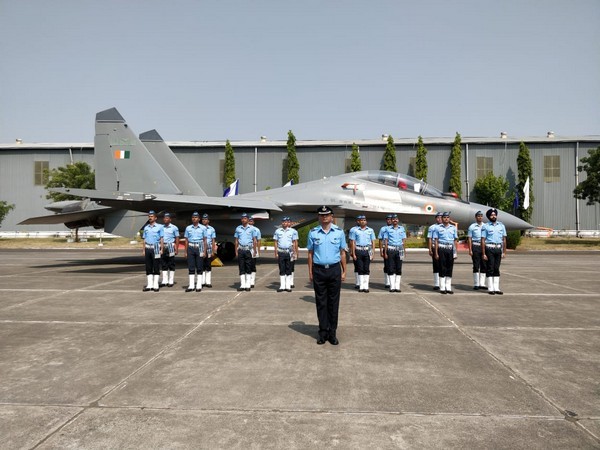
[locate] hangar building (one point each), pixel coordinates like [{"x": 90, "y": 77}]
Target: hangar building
[{"x": 261, "y": 165}]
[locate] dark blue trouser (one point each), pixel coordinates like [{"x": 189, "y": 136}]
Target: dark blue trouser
[
  {"x": 152, "y": 263},
  {"x": 327, "y": 284},
  {"x": 494, "y": 256},
  {"x": 245, "y": 261},
  {"x": 195, "y": 262}
]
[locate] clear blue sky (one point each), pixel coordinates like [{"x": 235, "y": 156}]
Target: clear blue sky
[{"x": 215, "y": 70}]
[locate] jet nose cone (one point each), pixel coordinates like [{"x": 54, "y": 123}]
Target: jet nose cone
[{"x": 510, "y": 222}]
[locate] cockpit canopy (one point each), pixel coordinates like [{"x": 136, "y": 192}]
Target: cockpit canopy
[{"x": 401, "y": 181}]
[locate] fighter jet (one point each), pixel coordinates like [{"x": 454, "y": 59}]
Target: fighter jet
[{"x": 135, "y": 175}]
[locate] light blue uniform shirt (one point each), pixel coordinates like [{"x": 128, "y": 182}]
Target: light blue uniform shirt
[
  {"x": 153, "y": 233},
  {"x": 474, "y": 232},
  {"x": 285, "y": 238},
  {"x": 244, "y": 235},
  {"x": 493, "y": 233},
  {"x": 445, "y": 235},
  {"x": 432, "y": 229},
  {"x": 211, "y": 235},
  {"x": 256, "y": 233},
  {"x": 394, "y": 236},
  {"x": 362, "y": 238},
  {"x": 382, "y": 232},
  {"x": 195, "y": 235},
  {"x": 326, "y": 247},
  {"x": 171, "y": 233}
]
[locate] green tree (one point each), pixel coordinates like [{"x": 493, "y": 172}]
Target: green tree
[
  {"x": 5, "y": 208},
  {"x": 492, "y": 191},
  {"x": 229, "y": 169},
  {"x": 293, "y": 167},
  {"x": 589, "y": 189},
  {"x": 77, "y": 175},
  {"x": 389, "y": 157},
  {"x": 421, "y": 161},
  {"x": 455, "y": 184},
  {"x": 525, "y": 171},
  {"x": 355, "y": 163}
]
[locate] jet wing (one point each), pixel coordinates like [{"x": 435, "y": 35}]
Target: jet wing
[
  {"x": 139, "y": 201},
  {"x": 66, "y": 217}
]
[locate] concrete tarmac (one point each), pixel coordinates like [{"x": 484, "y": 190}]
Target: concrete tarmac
[{"x": 88, "y": 360}]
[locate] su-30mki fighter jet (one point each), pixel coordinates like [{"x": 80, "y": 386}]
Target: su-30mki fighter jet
[{"x": 135, "y": 175}]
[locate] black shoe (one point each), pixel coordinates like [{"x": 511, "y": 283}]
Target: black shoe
[
  {"x": 366, "y": 291},
  {"x": 288, "y": 290},
  {"x": 293, "y": 286},
  {"x": 189, "y": 290},
  {"x": 387, "y": 286},
  {"x": 321, "y": 341},
  {"x": 170, "y": 285},
  {"x": 163, "y": 284},
  {"x": 146, "y": 289},
  {"x": 499, "y": 293},
  {"x": 443, "y": 292},
  {"x": 209, "y": 286},
  {"x": 247, "y": 289},
  {"x": 198, "y": 289},
  {"x": 156, "y": 290},
  {"x": 475, "y": 288},
  {"x": 436, "y": 288},
  {"x": 280, "y": 290},
  {"x": 450, "y": 292},
  {"x": 392, "y": 290},
  {"x": 251, "y": 287},
  {"x": 357, "y": 287},
  {"x": 491, "y": 293},
  {"x": 333, "y": 340},
  {"x": 241, "y": 289}
]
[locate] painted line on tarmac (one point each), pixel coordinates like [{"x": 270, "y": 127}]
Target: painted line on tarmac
[{"x": 546, "y": 282}]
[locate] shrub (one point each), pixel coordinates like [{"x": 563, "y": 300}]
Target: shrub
[{"x": 513, "y": 239}]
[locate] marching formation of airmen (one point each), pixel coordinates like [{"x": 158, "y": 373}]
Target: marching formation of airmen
[{"x": 486, "y": 244}]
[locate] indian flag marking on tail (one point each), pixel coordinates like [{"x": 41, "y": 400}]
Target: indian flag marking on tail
[{"x": 122, "y": 154}]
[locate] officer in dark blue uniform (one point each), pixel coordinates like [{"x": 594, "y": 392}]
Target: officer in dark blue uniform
[{"x": 327, "y": 269}]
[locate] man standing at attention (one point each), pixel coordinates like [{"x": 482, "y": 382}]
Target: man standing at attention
[
  {"x": 171, "y": 244},
  {"x": 211, "y": 250},
  {"x": 362, "y": 239},
  {"x": 255, "y": 253},
  {"x": 152, "y": 249},
  {"x": 493, "y": 241},
  {"x": 245, "y": 246},
  {"x": 195, "y": 234},
  {"x": 434, "y": 262},
  {"x": 327, "y": 269},
  {"x": 381, "y": 237},
  {"x": 445, "y": 239},
  {"x": 393, "y": 244},
  {"x": 286, "y": 250},
  {"x": 474, "y": 235}
]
